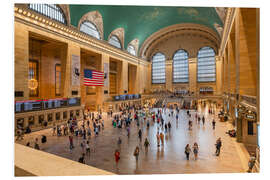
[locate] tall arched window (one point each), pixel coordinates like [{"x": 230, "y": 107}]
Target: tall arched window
[
  {"x": 180, "y": 67},
  {"x": 158, "y": 69},
  {"x": 90, "y": 29},
  {"x": 131, "y": 50},
  {"x": 52, "y": 11},
  {"x": 115, "y": 42},
  {"x": 206, "y": 65}
]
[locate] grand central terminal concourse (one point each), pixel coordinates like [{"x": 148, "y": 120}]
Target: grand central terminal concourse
[{"x": 127, "y": 90}]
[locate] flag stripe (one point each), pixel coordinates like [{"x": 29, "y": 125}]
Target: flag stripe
[{"x": 93, "y": 78}]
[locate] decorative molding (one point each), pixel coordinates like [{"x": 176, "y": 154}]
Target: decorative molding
[
  {"x": 43, "y": 23},
  {"x": 251, "y": 100}
]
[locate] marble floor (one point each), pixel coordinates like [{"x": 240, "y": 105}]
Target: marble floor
[{"x": 167, "y": 159}]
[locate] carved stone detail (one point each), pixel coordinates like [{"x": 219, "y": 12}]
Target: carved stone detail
[
  {"x": 120, "y": 33},
  {"x": 94, "y": 17}
]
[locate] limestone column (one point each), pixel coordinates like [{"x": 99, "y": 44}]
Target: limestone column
[
  {"x": 124, "y": 78},
  {"x": 138, "y": 80},
  {"x": 21, "y": 57},
  {"x": 66, "y": 72},
  {"x": 168, "y": 72},
  {"x": 239, "y": 124},
  {"x": 218, "y": 76},
  {"x": 101, "y": 97},
  {"x": 192, "y": 65}
]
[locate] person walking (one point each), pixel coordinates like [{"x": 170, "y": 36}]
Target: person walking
[
  {"x": 136, "y": 153},
  {"x": 251, "y": 162},
  {"x": 187, "y": 151},
  {"x": 203, "y": 120},
  {"x": 146, "y": 144},
  {"x": 117, "y": 157},
  {"x": 214, "y": 124},
  {"x": 158, "y": 139},
  {"x": 87, "y": 147},
  {"x": 195, "y": 150},
  {"x": 169, "y": 126},
  {"x": 128, "y": 131},
  {"x": 140, "y": 135},
  {"x": 81, "y": 159},
  {"x": 218, "y": 146},
  {"x": 36, "y": 146},
  {"x": 161, "y": 138},
  {"x": 119, "y": 142}
]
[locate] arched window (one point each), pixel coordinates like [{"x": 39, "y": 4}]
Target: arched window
[
  {"x": 206, "y": 65},
  {"x": 115, "y": 42},
  {"x": 131, "y": 50},
  {"x": 90, "y": 29},
  {"x": 180, "y": 67},
  {"x": 158, "y": 69},
  {"x": 52, "y": 11}
]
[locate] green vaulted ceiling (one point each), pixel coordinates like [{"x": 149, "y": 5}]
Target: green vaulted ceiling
[{"x": 142, "y": 21}]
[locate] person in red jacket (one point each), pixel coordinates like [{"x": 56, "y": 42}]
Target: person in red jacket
[{"x": 117, "y": 156}]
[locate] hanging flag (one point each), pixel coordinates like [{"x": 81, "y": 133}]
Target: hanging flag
[{"x": 93, "y": 78}]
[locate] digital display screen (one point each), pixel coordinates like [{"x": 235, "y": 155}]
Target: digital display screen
[
  {"x": 63, "y": 103},
  {"x": 57, "y": 103},
  {"x": 130, "y": 96},
  {"x": 73, "y": 101},
  {"x": 19, "y": 107},
  {"x": 122, "y": 97},
  {"x": 137, "y": 96},
  {"x": 48, "y": 104},
  {"x": 34, "y": 105}
]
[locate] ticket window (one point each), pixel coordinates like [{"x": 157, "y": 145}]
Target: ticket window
[
  {"x": 50, "y": 117},
  {"x": 71, "y": 113},
  {"x": 57, "y": 116},
  {"x": 78, "y": 113},
  {"x": 31, "y": 120},
  {"x": 40, "y": 119},
  {"x": 65, "y": 115},
  {"x": 20, "y": 123},
  {"x": 251, "y": 127}
]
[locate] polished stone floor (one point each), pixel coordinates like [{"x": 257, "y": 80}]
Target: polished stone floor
[{"x": 167, "y": 159}]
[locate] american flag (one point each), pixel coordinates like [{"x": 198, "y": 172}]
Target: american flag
[{"x": 93, "y": 78}]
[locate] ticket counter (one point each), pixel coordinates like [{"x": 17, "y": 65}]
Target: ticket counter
[{"x": 250, "y": 128}]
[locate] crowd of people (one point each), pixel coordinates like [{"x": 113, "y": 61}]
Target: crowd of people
[{"x": 139, "y": 115}]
